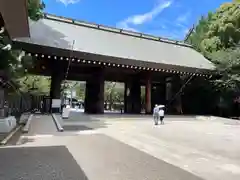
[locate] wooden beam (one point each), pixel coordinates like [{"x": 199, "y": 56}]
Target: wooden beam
[{"x": 15, "y": 16}]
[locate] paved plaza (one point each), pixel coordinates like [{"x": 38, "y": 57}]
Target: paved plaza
[{"x": 126, "y": 147}]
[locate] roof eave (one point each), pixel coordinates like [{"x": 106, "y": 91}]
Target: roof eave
[{"x": 53, "y": 51}]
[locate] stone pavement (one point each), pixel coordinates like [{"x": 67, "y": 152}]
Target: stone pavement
[
  {"x": 207, "y": 148},
  {"x": 102, "y": 157},
  {"x": 131, "y": 147},
  {"x": 39, "y": 163},
  {"x": 42, "y": 124}
]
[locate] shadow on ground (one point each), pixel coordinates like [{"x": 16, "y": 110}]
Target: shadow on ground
[
  {"x": 76, "y": 128},
  {"x": 106, "y": 158},
  {"x": 39, "y": 163},
  {"x": 78, "y": 121}
]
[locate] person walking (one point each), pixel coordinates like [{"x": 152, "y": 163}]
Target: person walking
[
  {"x": 161, "y": 113},
  {"x": 156, "y": 114}
]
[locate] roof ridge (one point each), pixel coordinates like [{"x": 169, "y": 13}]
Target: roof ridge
[{"x": 114, "y": 30}]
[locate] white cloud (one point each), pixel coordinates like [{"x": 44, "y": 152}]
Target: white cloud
[
  {"x": 124, "y": 25},
  {"x": 67, "y": 2},
  {"x": 170, "y": 30},
  {"x": 183, "y": 18},
  {"x": 168, "y": 27},
  {"x": 143, "y": 18},
  {"x": 166, "y": 33},
  {"x": 174, "y": 29}
]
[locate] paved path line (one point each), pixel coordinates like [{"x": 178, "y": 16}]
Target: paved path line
[
  {"x": 42, "y": 124},
  {"x": 57, "y": 123},
  {"x": 5, "y": 140},
  {"x": 27, "y": 126}
]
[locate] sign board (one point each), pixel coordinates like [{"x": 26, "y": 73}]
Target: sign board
[{"x": 56, "y": 103}]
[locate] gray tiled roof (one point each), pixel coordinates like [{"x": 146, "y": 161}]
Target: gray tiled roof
[{"x": 60, "y": 34}]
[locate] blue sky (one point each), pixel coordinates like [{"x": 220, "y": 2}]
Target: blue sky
[{"x": 165, "y": 18}]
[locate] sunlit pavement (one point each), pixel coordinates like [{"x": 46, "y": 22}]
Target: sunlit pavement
[{"x": 121, "y": 147}]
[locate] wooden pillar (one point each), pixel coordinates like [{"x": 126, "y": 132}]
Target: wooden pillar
[
  {"x": 148, "y": 89},
  {"x": 126, "y": 97},
  {"x": 132, "y": 97},
  {"x": 136, "y": 96},
  {"x": 94, "y": 93},
  {"x": 55, "y": 90},
  {"x": 174, "y": 97}
]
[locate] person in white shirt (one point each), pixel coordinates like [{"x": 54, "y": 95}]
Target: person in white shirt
[
  {"x": 156, "y": 114},
  {"x": 161, "y": 113}
]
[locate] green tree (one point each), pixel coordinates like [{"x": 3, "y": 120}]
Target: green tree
[
  {"x": 39, "y": 85},
  {"x": 35, "y": 9},
  {"x": 80, "y": 90},
  {"x": 219, "y": 30},
  {"x": 113, "y": 93},
  {"x": 108, "y": 93},
  {"x": 228, "y": 65},
  {"x": 217, "y": 36},
  {"x": 14, "y": 62},
  {"x": 199, "y": 32}
]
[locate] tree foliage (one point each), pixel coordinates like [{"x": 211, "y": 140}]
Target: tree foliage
[
  {"x": 217, "y": 36},
  {"x": 228, "y": 65},
  {"x": 219, "y": 30},
  {"x": 13, "y": 59},
  {"x": 35, "y": 84},
  {"x": 14, "y": 62},
  {"x": 199, "y": 33},
  {"x": 80, "y": 90},
  {"x": 35, "y": 9},
  {"x": 113, "y": 93},
  {"x": 224, "y": 29}
]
